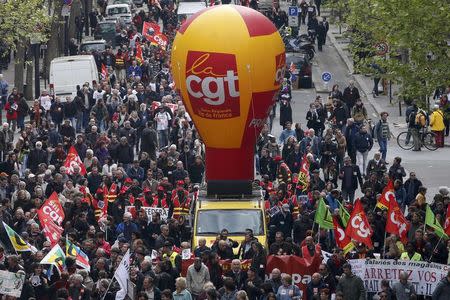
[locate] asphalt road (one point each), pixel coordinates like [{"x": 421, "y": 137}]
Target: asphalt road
[{"x": 432, "y": 167}]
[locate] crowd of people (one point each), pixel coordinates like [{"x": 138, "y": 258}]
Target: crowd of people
[{"x": 139, "y": 147}]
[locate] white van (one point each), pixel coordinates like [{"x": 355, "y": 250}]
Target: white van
[
  {"x": 69, "y": 71},
  {"x": 115, "y": 11},
  {"x": 187, "y": 9}
]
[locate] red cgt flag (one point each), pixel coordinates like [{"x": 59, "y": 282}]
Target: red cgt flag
[
  {"x": 74, "y": 160},
  {"x": 447, "y": 222},
  {"x": 396, "y": 222},
  {"x": 342, "y": 240},
  {"x": 387, "y": 195},
  {"x": 52, "y": 208},
  {"x": 358, "y": 227},
  {"x": 149, "y": 30},
  {"x": 52, "y": 231}
]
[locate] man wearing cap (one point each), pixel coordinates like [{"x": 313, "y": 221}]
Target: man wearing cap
[
  {"x": 127, "y": 227},
  {"x": 159, "y": 200},
  {"x": 180, "y": 200},
  {"x": 283, "y": 220},
  {"x": 172, "y": 256}
]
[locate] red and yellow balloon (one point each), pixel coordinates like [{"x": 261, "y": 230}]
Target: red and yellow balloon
[{"x": 228, "y": 63}]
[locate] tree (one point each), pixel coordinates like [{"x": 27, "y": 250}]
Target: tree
[
  {"x": 21, "y": 21},
  {"x": 417, "y": 37}
]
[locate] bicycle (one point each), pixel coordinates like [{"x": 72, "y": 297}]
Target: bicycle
[{"x": 426, "y": 139}]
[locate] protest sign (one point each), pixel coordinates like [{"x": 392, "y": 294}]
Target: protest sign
[
  {"x": 423, "y": 275},
  {"x": 149, "y": 211},
  {"x": 11, "y": 283}
]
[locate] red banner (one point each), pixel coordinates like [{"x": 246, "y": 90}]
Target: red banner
[
  {"x": 52, "y": 231},
  {"x": 295, "y": 266}
]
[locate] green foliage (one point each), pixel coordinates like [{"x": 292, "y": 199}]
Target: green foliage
[
  {"x": 417, "y": 35},
  {"x": 22, "y": 20}
]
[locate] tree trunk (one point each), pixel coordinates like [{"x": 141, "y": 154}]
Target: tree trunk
[
  {"x": 18, "y": 67},
  {"x": 29, "y": 73},
  {"x": 75, "y": 11},
  {"x": 53, "y": 49}
]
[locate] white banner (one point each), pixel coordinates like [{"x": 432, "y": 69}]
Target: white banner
[
  {"x": 423, "y": 275},
  {"x": 11, "y": 283},
  {"x": 149, "y": 211}
]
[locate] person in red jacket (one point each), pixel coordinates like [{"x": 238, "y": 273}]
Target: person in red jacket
[
  {"x": 11, "y": 109},
  {"x": 159, "y": 200}
]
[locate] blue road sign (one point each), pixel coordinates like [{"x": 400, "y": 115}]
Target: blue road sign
[
  {"x": 293, "y": 11},
  {"x": 326, "y": 76}
]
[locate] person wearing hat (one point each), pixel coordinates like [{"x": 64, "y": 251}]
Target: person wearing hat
[
  {"x": 172, "y": 256},
  {"x": 437, "y": 125},
  {"x": 283, "y": 221},
  {"x": 159, "y": 200},
  {"x": 181, "y": 202}
]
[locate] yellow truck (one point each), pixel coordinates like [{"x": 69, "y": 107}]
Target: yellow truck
[{"x": 236, "y": 214}]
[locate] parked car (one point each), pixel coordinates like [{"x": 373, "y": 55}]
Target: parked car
[
  {"x": 108, "y": 31},
  {"x": 96, "y": 45},
  {"x": 303, "y": 68}
]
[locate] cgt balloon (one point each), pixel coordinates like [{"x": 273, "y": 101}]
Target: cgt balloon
[{"x": 228, "y": 63}]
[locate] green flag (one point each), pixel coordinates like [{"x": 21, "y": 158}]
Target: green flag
[
  {"x": 343, "y": 214},
  {"x": 431, "y": 221},
  {"x": 323, "y": 216}
]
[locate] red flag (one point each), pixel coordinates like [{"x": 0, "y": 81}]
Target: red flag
[
  {"x": 358, "y": 227},
  {"x": 396, "y": 222},
  {"x": 52, "y": 231},
  {"x": 161, "y": 40},
  {"x": 303, "y": 175},
  {"x": 342, "y": 240},
  {"x": 52, "y": 208},
  {"x": 74, "y": 160},
  {"x": 387, "y": 195},
  {"x": 104, "y": 72},
  {"x": 149, "y": 30},
  {"x": 447, "y": 222},
  {"x": 139, "y": 55}
]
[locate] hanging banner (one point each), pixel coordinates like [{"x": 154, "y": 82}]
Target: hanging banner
[{"x": 423, "y": 275}]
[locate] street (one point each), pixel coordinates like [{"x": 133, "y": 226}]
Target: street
[{"x": 431, "y": 166}]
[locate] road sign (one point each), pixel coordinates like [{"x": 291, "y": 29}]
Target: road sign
[
  {"x": 326, "y": 76},
  {"x": 381, "y": 48},
  {"x": 293, "y": 16},
  {"x": 293, "y": 11}
]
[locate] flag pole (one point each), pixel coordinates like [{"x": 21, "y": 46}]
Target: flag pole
[
  {"x": 384, "y": 244},
  {"x": 109, "y": 286},
  {"x": 318, "y": 234},
  {"x": 437, "y": 244}
]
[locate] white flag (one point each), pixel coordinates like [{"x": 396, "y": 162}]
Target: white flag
[{"x": 122, "y": 276}]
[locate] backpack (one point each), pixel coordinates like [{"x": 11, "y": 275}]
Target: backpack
[{"x": 421, "y": 118}]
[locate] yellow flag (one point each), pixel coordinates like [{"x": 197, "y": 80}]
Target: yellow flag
[{"x": 16, "y": 240}]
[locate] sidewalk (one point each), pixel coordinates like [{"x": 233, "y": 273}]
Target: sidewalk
[{"x": 380, "y": 103}]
